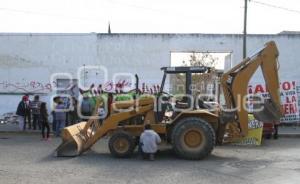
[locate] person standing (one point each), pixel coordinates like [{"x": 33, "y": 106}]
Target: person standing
[
  {"x": 148, "y": 142},
  {"x": 60, "y": 117},
  {"x": 21, "y": 112},
  {"x": 44, "y": 121},
  {"x": 35, "y": 106},
  {"x": 55, "y": 102},
  {"x": 86, "y": 108},
  {"x": 275, "y": 135},
  {"x": 72, "y": 114},
  {"x": 27, "y": 118}
]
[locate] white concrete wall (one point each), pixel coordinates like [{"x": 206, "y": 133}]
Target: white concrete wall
[{"x": 28, "y": 60}]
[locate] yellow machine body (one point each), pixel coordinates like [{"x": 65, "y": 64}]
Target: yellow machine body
[{"x": 129, "y": 117}]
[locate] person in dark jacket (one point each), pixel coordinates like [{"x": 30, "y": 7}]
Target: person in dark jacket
[
  {"x": 72, "y": 114},
  {"x": 44, "y": 121},
  {"x": 55, "y": 102},
  {"x": 60, "y": 117},
  {"x": 35, "y": 106},
  {"x": 27, "y": 118},
  {"x": 21, "y": 112},
  {"x": 86, "y": 108}
]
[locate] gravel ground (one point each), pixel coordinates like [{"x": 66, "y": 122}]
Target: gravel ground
[{"x": 27, "y": 159}]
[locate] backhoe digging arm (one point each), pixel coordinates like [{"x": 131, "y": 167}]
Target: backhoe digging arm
[{"x": 235, "y": 85}]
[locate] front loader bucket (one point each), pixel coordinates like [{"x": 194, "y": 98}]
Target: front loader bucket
[
  {"x": 78, "y": 138},
  {"x": 73, "y": 140},
  {"x": 67, "y": 149}
]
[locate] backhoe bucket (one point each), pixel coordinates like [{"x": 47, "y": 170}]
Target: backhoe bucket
[
  {"x": 269, "y": 113},
  {"x": 73, "y": 140}
]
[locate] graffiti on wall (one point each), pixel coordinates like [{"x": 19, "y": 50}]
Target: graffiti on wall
[
  {"x": 33, "y": 86},
  {"x": 121, "y": 87}
]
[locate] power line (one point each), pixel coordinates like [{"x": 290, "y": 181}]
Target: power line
[{"x": 275, "y": 6}]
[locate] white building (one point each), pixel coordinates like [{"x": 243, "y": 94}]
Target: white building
[{"x": 28, "y": 60}]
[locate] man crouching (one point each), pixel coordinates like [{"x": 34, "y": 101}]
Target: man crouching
[{"x": 148, "y": 142}]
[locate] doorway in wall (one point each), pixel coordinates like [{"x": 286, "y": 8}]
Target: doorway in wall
[
  {"x": 219, "y": 60},
  {"x": 206, "y": 84}
]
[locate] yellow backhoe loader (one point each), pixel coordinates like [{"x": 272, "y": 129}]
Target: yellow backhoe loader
[{"x": 193, "y": 130}]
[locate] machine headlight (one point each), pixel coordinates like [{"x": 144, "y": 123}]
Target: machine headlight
[{"x": 169, "y": 114}]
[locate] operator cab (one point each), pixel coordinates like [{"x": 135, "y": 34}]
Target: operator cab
[{"x": 181, "y": 93}]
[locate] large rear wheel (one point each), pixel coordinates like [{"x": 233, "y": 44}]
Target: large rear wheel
[
  {"x": 193, "y": 138},
  {"x": 121, "y": 144}
]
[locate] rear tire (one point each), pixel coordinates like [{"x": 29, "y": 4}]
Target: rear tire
[
  {"x": 193, "y": 138},
  {"x": 121, "y": 144}
]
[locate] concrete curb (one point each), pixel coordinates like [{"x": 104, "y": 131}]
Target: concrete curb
[
  {"x": 19, "y": 132},
  {"x": 289, "y": 135}
]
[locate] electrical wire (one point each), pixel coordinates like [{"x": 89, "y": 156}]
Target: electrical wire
[{"x": 275, "y": 6}]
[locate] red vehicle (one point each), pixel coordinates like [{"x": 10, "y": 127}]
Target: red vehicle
[{"x": 270, "y": 129}]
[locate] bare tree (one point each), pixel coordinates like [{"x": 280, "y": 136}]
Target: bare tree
[
  {"x": 203, "y": 83},
  {"x": 201, "y": 59}
]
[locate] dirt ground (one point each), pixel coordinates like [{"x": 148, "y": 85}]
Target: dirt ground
[{"x": 27, "y": 159}]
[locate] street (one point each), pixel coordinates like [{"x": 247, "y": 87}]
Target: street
[{"x": 24, "y": 158}]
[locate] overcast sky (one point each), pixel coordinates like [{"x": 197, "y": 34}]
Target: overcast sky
[{"x": 148, "y": 16}]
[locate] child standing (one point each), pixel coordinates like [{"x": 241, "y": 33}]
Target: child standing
[{"x": 44, "y": 120}]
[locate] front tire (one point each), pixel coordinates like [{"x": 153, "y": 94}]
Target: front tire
[
  {"x": 121, "y": 144},
  {"x": 193, "y": 138}
]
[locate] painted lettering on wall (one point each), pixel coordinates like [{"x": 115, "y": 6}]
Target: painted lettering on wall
[{"x": 288, "y": 95}]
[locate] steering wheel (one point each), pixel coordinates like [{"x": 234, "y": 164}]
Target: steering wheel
[{"x": 166, "y": 94}]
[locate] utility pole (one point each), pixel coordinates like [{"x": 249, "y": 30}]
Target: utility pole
[
  {"x": 245, "y": 30},
  {"x": 109, "y": 30}
]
